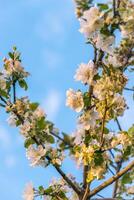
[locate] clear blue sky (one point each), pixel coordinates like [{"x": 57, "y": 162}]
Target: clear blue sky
[{"x": 46, "y": 33}]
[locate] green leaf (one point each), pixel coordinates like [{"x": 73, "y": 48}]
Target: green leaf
[
  {"x": 41, "y": 123},
  {"x": 14, "y": 48},
  {"x": 131, "y": 131},
  {"x": 98, "y": 160},
  {"x": 106, "y": 130},
  {"x": 126, "y": 179},
  {"x": 33, "y": 106},
  {"x": 41, "y": 190},
  {"x": 50, "y": 139},
  {"x": 11, "y": 55},
  {"x": 66, "y": 137},
  {"x": 127, "y": 152},
  {"x": 103, "y": 6},
  {"x": 104, "y": 30},
  {"x": 23, "y": 84},
  {"x": 3, "y": 94},
  {"x": 62, "y": 195},
  {"x": 18, "y": 122},
  {"x": 87, "y": 100},
  {"x": 49, "y": 190},
  {"x": 28, "y": 142}
]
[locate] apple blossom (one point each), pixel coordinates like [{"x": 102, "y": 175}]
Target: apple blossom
[
  {"x": 28, "y": 192},
  {"x": 74, "y": 100},
  {"x": 86, "y": 72},
  {"x": 35, "y": 155}
]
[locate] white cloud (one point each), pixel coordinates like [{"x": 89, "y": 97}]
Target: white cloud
[
  {"x": 50, "y": 26},
  {"x": 52, "y": 59},
  {"x": 5, "y": 139},
  {"x": 10, "y": 161},
  {"x": 52, "y": 104},
  {"x": 55, "y": 22}
]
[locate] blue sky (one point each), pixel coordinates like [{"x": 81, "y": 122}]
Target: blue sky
[{"x": 46, "y": 33}]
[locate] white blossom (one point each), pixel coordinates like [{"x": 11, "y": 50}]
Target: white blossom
[
  {"x": 90, "y": 21},
  {"x": 74, "y": 100},
  {"x": 98, "y": 171},
  {"x": 24, "y": 128},
  {"x": 28, "y": 192},
  {"x": 124, "y": 140},
  {"x": 39, "y": 112},
  {"x": 2, "y": 83},
  {"x": 78, "y": 135},
  {"x": 35, "y": 155},
  {"x": 12, "y": 66},
  {"x": 120, "y": 104},
  {"x": 130, "y": 190},
  {"x": 118, "y": 158},
  {"x": 85, "y": 73},
  {"x": 88, "y": 119},
  {"x": 12, "y": 120},
  {"x": 105, "y": 43}
]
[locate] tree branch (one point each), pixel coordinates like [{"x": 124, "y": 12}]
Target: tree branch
[
  {"x": 59, "y": 170},
  {"x": 112, "y": 179}
]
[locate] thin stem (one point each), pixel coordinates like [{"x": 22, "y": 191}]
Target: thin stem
[
  {"x": 14, "y": 91},
  {"x": 103, "y": 126},
  {"x": 112, "y": 179},
  {"x": 61, "y": 139},
  {"x": 111, "y": 171},
  {"x": 114, "y": 7},
  {"x": 129, "y": 89},
  {"x": 111, "y": 153},
  {"x": 100, "y": 196},
  {"x": 2, "y": 99},
  {"x": 118, "y": 3},
  {"x": 2, "y": 105},
  {"x": 118, "y": 123}
]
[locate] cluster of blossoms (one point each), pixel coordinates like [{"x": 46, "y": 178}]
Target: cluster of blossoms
[
  {"x": 86, "y": 72},
  {"x": 105, "y": 76},
  {"x": 57, "y": 189},
  {"x": 94, "y": 146},
  {"x": 35, "y": 155},
  {"x": 75, "y": 100}
]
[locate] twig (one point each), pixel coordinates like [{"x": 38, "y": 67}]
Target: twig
[
  {"x": 103, "y": 126},
  {"x": 61, "y": 139},
  {"x": 14, "y": 91},
  {"x": 112, "y": 179},
  {"x": 2, "y": 105},
  {"x": 100, "y": 196},
  {"x": 111, "y": 171},
  {"x": 118, "y": 123},
  {"x": 114, "y": 7},
  {"x": 2, "y": 99},
  {"x": 129, "y": 89}
]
